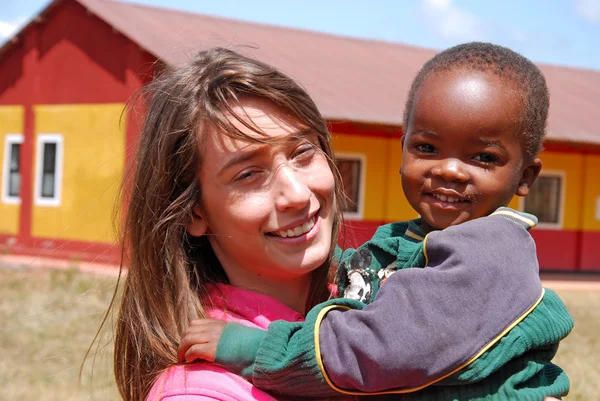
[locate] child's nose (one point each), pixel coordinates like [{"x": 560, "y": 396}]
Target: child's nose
[{"x": 451, "y": 170}]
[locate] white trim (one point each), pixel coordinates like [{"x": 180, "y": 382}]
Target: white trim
[
  {"x": 362, "y": 158},
  {"x": 40, "y": 141},
  {"x": 9, "y": 140},
  {"x": 561, "y": 206}
]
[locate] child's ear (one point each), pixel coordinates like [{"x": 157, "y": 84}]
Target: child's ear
[
  {"x": 528, "y": 177},
  {"x": 402, "y": 138},
  {"x": 198, "y": 226}
]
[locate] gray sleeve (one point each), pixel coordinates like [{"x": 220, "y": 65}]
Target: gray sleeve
[{"x": 481, "y": 276}]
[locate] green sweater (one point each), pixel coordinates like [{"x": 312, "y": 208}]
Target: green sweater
[{"x": 473, "y": 324}]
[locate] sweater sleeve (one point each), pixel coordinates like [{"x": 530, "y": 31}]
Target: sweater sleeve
[
  {"x": 414, "y": 333},
  {"x": 480, "y": 280}
]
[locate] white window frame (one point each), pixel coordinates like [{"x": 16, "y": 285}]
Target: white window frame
[
  {"x": 9, "y": 140},
  {"x": 362, "y": 158},
  {"x": 58, "y": 174},
  {"x": 561, "y": 212}
]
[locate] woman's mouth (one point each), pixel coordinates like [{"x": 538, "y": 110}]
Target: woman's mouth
[{"x": 296, "y": 231}]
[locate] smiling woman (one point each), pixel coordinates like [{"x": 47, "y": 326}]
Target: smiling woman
[
  {"x": 266, "y": 207},
  {"x": 232, "y": 215}
]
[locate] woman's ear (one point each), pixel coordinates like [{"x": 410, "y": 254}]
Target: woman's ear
[
  {"x": 528, "y": 177},
  {"x": 198, "y": 226}
]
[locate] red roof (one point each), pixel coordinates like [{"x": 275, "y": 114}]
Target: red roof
[{"x": 350, "y": 79}]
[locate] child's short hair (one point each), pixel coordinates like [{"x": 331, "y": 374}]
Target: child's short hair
[{"x": 509, "y": 65}]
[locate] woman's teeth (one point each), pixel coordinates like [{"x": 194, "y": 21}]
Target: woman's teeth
[
  {"x": 297, "y": 231},
  {"x": 445, "y": 198}
]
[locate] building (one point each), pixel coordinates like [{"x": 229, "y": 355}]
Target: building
[{"x": 66, "y": 77}]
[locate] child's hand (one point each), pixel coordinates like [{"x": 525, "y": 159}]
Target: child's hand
[{"x": 200, "y": 340}]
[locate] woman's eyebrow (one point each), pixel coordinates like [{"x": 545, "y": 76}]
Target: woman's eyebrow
[{"x": 240, "y": 157}]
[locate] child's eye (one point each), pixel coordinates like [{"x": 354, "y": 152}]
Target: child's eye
[
  {"x": 425, "y": 148},
  {"x": 486, "y": 158}
]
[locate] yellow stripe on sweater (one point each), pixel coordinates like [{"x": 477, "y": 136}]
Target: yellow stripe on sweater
[
  {"x": 324, "y": 312},
  {"x": 413, "y": 235},
  {"x": 517, "y": 216}
]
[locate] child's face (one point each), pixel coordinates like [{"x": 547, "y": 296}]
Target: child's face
[
  {"x": 267, "y": 208},
  {"x": 463, "y": 156}
]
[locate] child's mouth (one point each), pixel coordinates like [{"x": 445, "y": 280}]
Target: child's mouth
[
  {"x": 447, "y": 202},
  {"x": 448, "y": 198}
]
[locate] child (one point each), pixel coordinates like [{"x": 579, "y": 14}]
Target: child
[{"x": 475, "y": 120}]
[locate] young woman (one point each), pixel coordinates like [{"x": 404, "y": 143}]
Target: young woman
[{"x": 232, "y": 214}]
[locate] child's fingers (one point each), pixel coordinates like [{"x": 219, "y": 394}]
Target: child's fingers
[
  {"x": 189, "y": 339},
  {"x": 203, "y": 333},
  {"x": 199, "y": 351}
]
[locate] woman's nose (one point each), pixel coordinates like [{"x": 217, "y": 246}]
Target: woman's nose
[
  {"x": 293, "y": 191},
  {"x": 451, "y": 170}
]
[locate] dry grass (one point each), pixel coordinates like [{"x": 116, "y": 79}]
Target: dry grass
[
  {"x": 579, "y": 353},
  {"x": 49, "y": 317}
]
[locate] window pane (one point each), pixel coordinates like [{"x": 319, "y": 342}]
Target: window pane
[
  {"x": 15, "y": 150},
  {"x": 48, "y": 185},
  {"x": 544, "y": 199},
  {"x": 14, "y": 184},
  {"x": 14, "y": 177},
  {"x": 350, "y": 172},
  {"x": 49, "y": 158}
]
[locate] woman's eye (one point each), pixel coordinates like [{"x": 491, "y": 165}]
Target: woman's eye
[
  {"x": 245, "y": 175},
  {"x": 486, "y": 158},
  {"x": 304, "y": 152},
  {"x": 425, "y": 148}
]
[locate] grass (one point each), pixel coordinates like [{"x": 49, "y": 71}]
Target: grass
[{"x": 49, "y": 317}]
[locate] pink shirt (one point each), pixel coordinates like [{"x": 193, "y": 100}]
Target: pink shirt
[{"x": 205, "y": 381}]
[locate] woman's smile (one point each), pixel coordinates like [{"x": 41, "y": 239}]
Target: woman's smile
[{"x": 300, "y": 234}]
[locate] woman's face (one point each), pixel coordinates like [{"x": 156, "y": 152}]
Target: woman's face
[{"x": 267, "y": 209}]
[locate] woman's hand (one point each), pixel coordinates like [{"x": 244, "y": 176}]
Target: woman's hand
[{"x": 200, "y": 340}]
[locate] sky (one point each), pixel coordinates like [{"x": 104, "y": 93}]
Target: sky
[{"x": 564, "y": 32}]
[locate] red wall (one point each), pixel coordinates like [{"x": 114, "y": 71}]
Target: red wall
[{"x": 70, "y": 57}]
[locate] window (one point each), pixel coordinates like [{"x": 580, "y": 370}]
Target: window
[
  {"x": 48, "y": 177},
  {"x": 11, "y": 171},
  {"x": 545, "y": 199},
  {"x": 352, "y": 170}
]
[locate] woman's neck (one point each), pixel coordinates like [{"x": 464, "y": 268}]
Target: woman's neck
[{"x": 292, "y": 292}]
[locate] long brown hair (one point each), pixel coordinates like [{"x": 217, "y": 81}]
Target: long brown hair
[{"x": 168, "y": 270}]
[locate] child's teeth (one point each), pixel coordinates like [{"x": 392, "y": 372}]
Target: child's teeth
[{"x": 290, "y": 233}]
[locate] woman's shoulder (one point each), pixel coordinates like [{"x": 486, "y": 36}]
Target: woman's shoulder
[{"x": 203, "y": 381}]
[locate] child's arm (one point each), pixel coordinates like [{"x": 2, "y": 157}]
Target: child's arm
[{"x": 481, "y": 277}]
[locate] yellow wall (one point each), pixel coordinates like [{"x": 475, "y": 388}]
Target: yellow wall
[
  {"x": 376, "y": 169},
  {"x": 591, "y": 187},
  {"x": 11, "y": 122},
  {"x": 94, "y": 155},
  {"x": 384, "y": 199},
  {"x": 397, "y": 206},
  {"x": 572, "y": 166}
]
